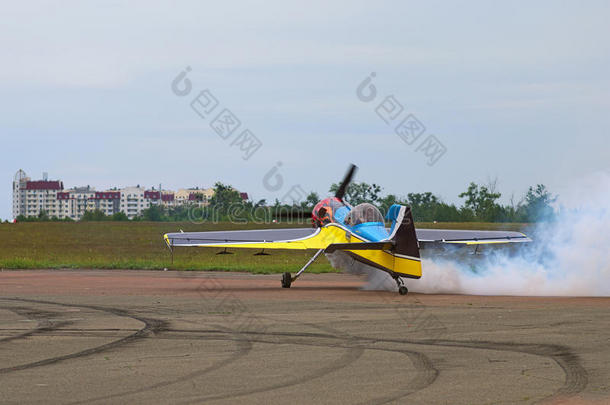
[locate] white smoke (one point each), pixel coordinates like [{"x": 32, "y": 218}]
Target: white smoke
[
  {"x": 376, "y": 279},
  {"x": 569, "y": 256}
]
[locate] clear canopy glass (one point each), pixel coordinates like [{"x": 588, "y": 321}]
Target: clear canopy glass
[{"x": 363, "y": 213}]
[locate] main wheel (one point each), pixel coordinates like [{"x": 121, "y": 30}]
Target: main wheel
[
  {"x": 402, "y": 290},
  {"x": 286, "y": 280}
]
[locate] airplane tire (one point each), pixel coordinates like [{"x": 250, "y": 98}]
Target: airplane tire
[
  {"x": 402, "y": 290},
  {"x": 286, "y": 280}
]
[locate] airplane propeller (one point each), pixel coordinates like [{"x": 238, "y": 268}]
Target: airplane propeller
[{"x": 346, "y": 180}]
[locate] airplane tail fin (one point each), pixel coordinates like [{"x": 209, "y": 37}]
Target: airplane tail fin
[
  {"x": 402, "y": 232},
  {"x": 398, "y": 255}
]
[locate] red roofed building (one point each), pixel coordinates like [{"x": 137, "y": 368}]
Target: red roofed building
[
  {"x": 31, "y": 197},
  {"x": 44, "y": 185},
  {"x": 152, "y": 195},
  {"x": 168, "y": 200},
  {"x": 107, "y": 195},
  {"x": 193, "y": 196},
  {"x": 109, "y": 202}
]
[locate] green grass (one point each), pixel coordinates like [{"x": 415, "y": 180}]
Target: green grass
[{"x": 140, "y": 245}]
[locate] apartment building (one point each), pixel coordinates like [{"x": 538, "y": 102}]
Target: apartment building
[
  {"x": 132, "y": 201},
  {"x": 199, "y": 196},
  {"x": 30, "y": 198},
  {"x": 74, "y": 202}
]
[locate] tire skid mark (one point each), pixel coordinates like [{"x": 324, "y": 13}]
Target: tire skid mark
[
  {"x": 576, "y": 376},
  {"x": 244, "y": 347},
  {"x": 42, "y": 326},
  {"x": 426, "y": 373},
  {"x": 425, "y": 376},
  {"x": 349, "y": 357},
  {"x": 223, "y": 334},
  {"x": 151, "y": 326}
]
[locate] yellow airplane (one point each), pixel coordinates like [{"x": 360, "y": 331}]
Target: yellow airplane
[{"x": 358, "y": 231}]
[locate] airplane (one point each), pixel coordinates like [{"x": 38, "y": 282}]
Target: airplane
[{"x": 358, "y": 231}]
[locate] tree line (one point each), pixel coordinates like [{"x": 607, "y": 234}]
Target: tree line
[{"x": 480, "y": 204}]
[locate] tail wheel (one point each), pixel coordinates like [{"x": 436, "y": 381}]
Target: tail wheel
[{"x": 402, "y": 290}]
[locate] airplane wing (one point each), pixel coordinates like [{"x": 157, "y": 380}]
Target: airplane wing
[
  {"x": 321, "y": 238},
  {"x": 331, "y": 234},
  {"x": 292, "y": 238},
  {"x": 468, "y": 237}
]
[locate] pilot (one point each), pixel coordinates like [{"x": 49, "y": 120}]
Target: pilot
[{"x": 325, "y": 214}]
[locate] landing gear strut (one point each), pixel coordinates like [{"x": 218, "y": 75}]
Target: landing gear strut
[
  {"x": 402, "y": 288},
  {"x": 287, "y": 278}
]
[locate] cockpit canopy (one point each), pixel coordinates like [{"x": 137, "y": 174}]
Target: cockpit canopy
[{"x": 363, "y": 213}]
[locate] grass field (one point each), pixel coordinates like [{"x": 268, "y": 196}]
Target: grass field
[{"x": 140, "y": 245}]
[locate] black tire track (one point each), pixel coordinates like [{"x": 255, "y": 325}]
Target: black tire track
[
  {"x": 229, "y": 335},
  {"x": 349, "y": 357},
  {"x": 353, "y": 353},
  {"x": 151, "y": 326},
  {"x": 43, "y": 324},
  {"x": 576, "y": 376},
  {"x": 426, "y": 373},
  {"x": 244, "y": 347}
]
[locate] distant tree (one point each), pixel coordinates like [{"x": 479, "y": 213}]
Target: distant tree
[
  {"x": 43, "y": 216},
  {"x": 386, "y": 202},
  {"x": 450, "y": 213},
  {"x": 95, "y": 215},
  {"x": 179, "y": 213},
  {"x": 119, "y": 216},
  {"x": 426, "y": 199},
  {"x": 358, "y": 193},
  {"x": 224, "y": 196},
  {"x": 537, "y": 204},
  {"x": 482, "y": 202},
  {"x": 154, "y": 213},
  {"x": 423, "y": 206},
  {"x": 310, "y": 201}
]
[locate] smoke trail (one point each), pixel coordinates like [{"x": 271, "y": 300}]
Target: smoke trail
[
  {"x": 569, "y": 256},
  {"x": 376, "y": 279}
]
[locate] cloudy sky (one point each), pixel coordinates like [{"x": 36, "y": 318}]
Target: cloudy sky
[{"x": 514, "y": 91}]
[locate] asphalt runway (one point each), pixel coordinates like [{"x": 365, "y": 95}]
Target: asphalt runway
[{"x": 118, "y": 336}]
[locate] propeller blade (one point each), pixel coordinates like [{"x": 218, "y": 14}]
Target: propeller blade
[{"x": 346, "y": 180}]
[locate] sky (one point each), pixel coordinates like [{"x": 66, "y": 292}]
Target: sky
[{"x": 513, "y": 91}]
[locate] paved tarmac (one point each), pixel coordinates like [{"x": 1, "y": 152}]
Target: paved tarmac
[{"x": 119, "y": 336}]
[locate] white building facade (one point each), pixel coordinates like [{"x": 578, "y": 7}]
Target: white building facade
[{"x": 31, "y": 198}]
